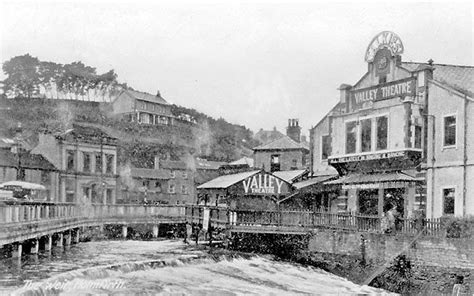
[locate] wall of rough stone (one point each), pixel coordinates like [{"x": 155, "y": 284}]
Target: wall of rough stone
[{"x": 427, "y": 251}]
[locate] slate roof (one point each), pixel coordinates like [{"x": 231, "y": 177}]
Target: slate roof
[
  {"x": 244, "y": 160},
  {"x": 284, "y": 143},
  {"x": 266, "y": 137},
  {"x": 173, "y": 164},
  {"x": 88, "y": 134},
  {"x": 460, "y": 78},
  {"x": 289, "y": 176},
  {"x": 204, "y": 164},
  {"x": 27, "y": 160},
  {"x": 226, "y": 181},
  {"x": 312, "y": 181},
  {"x": 146, "y": 97},
  {"x": 149, "y": 174}
]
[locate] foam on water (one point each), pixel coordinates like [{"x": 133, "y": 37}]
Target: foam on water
[{"x": 167, "y": 267}]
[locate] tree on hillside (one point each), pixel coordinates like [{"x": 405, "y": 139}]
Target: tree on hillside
[{"x": 22, "y": 76}]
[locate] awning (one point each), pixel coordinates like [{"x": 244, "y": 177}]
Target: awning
[
  {"x": 374, "y": 180},
  {"x": 312, "y": 181},
  {"x": 23, "y": 185}
]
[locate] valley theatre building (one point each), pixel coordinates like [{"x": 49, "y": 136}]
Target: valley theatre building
[{"x": 386, "y": 131}]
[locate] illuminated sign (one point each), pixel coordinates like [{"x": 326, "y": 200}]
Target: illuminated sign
[
  {"x": 385, "y": 39},
  {"x": 263, "y": 184},
  {"x": 399, "y": 88}
]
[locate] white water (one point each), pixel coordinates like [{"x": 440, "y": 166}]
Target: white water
[{"x": 164, "y": 267}]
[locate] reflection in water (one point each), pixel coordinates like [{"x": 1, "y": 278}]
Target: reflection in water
[{"x": 163, "y": 267}]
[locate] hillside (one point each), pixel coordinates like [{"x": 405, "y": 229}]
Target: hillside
[{"x": 214, "y": 139}]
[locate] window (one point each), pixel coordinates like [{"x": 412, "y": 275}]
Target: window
[
  {"x": 171, "y": 188},
  {"x": 382, "y": 132},
  {"x": 418, "y": 136},
  {"x": 109, "y": 196},
  {"x": 98, "y": 163},
  {"x": 184, "y": 189},
  {"x": 109, "y": 158},
  {"x": 326, "y": 146},
  {"x": 86, "y": 162},
  {"x": 448, "y": 201},
  {"x": 185, "y": 175},
  {"x": 274, "y": 163},
  {"x": 172, "y": 174},
  {"x": 70, "y": 190},
  {"x": 450, "y": 130},
  {"x": 146, "y": 184},
  {"x": 351, "y": 137},
  {"x": 70, "y": 159},
  {"x": 366, "y": 135}
]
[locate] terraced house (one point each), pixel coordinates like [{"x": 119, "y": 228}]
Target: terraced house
[{"x": 402, "y": 135}]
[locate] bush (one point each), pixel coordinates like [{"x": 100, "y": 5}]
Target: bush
[{"x": 459, "y": 227}]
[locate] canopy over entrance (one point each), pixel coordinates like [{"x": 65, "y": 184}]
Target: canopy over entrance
[{"x": 373, "y": 180}]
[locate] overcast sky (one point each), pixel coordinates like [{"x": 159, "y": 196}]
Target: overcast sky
[{"x": 256, "y": 64}]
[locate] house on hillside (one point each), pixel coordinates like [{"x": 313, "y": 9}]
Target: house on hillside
[
  {"x": 143, "y": 108},
  {"x": 266, "y": 137},
  {"x": 86, "y": 158}
]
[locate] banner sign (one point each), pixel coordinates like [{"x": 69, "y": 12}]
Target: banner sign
[
  {"x": 399, "y": 88},
  {"x": 367, "y": 157},
  {"x": 266, "y": 184},
  {"x": 205, "y": 219}
]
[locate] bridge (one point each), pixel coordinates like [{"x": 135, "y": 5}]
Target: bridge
[{"x": 61, "y": 223}]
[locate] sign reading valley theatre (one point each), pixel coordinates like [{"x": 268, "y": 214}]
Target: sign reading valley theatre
[
  {"x": 265, "y": 184},
  {"x": 399, "y": 88}
]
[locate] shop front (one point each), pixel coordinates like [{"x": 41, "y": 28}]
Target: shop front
[{"x": 372, "y": 184}]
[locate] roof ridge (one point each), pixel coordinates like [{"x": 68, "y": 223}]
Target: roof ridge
[{"x": 436, "y": 64}]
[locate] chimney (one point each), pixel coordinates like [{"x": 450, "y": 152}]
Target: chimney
[
  {"x": 293, "y": 130},
  {"x": 344, "y": 95},
  {"x": 158, "y": 94}
]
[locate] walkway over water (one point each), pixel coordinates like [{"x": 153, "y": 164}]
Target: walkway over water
[{"x": 32, "y": 220}]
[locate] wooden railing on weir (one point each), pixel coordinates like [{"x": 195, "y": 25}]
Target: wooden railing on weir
[
  {"x": 301, "y": 221},
  {"x": 22, "y": 216}
]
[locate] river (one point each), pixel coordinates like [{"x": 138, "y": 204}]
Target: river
[{"x": 163, "y": 267}]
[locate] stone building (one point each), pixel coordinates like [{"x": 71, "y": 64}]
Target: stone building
[
  {"x": 19, "y": 164},
  {"x": 168, "y": 182},
  {"x": 86, "y": 158},
  {"x": 284, "y": 154},
  {"x": 143, "y": 108},
  {"x": 400, "y": 136}
]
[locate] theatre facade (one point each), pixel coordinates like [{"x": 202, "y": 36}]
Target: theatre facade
[{"x": 401, "y": 136}]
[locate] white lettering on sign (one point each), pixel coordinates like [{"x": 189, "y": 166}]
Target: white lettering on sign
[
  {"x": 263, "y": 184},
  {"x": 399, "y": 88},
  {"x": 385, "y": 39},
  {"x": 368, "y": 157}
]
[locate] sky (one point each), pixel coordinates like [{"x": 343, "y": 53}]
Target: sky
[{"x": 252, "y": 63}]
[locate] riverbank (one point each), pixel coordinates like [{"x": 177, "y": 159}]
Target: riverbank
[{"x": 401, "y": 275}]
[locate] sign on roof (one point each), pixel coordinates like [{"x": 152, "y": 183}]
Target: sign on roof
[
  {"x": 385, "y": 39},
  {"x": 264, "y": 184}
]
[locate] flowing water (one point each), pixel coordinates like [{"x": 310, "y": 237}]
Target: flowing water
[{"x": 164, "y": 268}]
